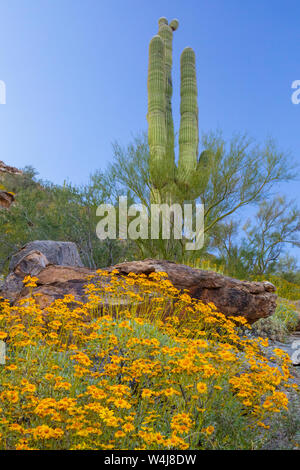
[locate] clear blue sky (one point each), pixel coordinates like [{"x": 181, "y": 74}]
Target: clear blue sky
[{"x": 76, "y": 75}]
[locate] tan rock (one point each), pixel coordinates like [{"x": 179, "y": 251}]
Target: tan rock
[
  {"x": 253, "y": 300},
  {"x": 9, "y": 169},
  {"x": 6, "y": 199}
]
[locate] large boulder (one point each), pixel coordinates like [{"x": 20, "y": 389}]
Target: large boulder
[
  {"x": 55, "y": 282},
  {"x": 60, "y": 253},
  {"x": 32, "y": 259},
  {"x": 253, "y": 300},
  {"x": 11, "y": 287}
]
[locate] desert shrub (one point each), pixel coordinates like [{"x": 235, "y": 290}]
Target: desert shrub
[
  {"x": 139, "y": 366},
  {"x": 277, "y": 326},
  {"x": 287, "y": 315},
  {"x": 272, "y": 328}
]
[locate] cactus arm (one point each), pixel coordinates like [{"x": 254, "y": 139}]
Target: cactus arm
[
  {"x": 189, "y": 180},
  {"x": 188, "y": 134},
  {"x": 166, "y": 33},
  {"x": 157, "y": 136}
]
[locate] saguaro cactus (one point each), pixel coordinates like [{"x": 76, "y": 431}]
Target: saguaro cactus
[{"x": 189, "y": 178}]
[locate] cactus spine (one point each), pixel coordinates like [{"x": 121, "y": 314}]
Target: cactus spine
[{"x": 187, "y": 180}]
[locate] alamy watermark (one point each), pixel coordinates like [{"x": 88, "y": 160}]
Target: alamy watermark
[
  {"x": 161, "y": 221},
  {"x": 2, "y": 352},
  {"x": 2, "y": 92},
  {"x": 296, "y": 94}
]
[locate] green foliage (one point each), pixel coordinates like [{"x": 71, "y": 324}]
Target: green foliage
[
  {"x": 277, "y": 326},
  {"x": 44, "y": 211},
  {"x": 225, "y": 177},
  {"x": 260, "y": 245},
  {"x": 277, "y": 224},
  {"x": 242, "y": 172},
  {"x": 123, "y": 378},
  {"x": 271, "y": 327},
  {"x": 287, "y": 315}
]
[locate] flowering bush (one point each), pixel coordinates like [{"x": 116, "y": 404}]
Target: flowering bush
[
  {"x": 278, "y": 326},
  {"x": 138, "y": 366},
  {"x": 287, "y": 315}
]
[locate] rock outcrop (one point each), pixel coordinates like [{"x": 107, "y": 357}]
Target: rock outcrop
[
  {"x": 33, "y": 259},
  {"x": 6, "y": 199},
  {"x": 6, "y": 169},
  {"x": 60, "y": 253},
  {"x": 253, "y": 300}
]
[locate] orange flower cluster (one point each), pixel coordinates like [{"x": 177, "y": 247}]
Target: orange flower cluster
[{"x": 140, "y": 365}]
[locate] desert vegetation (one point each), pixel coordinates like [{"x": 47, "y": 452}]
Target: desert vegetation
[
  {"x": 141, "y": 364},
  {"x": 81, "y": 378}
]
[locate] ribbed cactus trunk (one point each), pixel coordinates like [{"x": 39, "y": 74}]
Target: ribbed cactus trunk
[
  {"x": 166, "y": 33},
  {"x": 188, "y": 134},
  {"x": 188, "y": 180},
  {"x": 157, "y": 134}
]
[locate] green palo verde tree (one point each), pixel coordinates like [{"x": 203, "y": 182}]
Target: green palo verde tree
[
  {"x": 226, "y": 177},
  {"x": 187, "y": 180}
]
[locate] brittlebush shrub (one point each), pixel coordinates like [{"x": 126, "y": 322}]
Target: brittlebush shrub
[
  {"x": 139, "y": 366},
  {"x": 271, "y": 328},
  {"x": 278, "y": 326},
  {"x": 287, "y": 315}
]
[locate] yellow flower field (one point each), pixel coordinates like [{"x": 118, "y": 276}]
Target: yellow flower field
[{"x": 154, "y": 369}]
